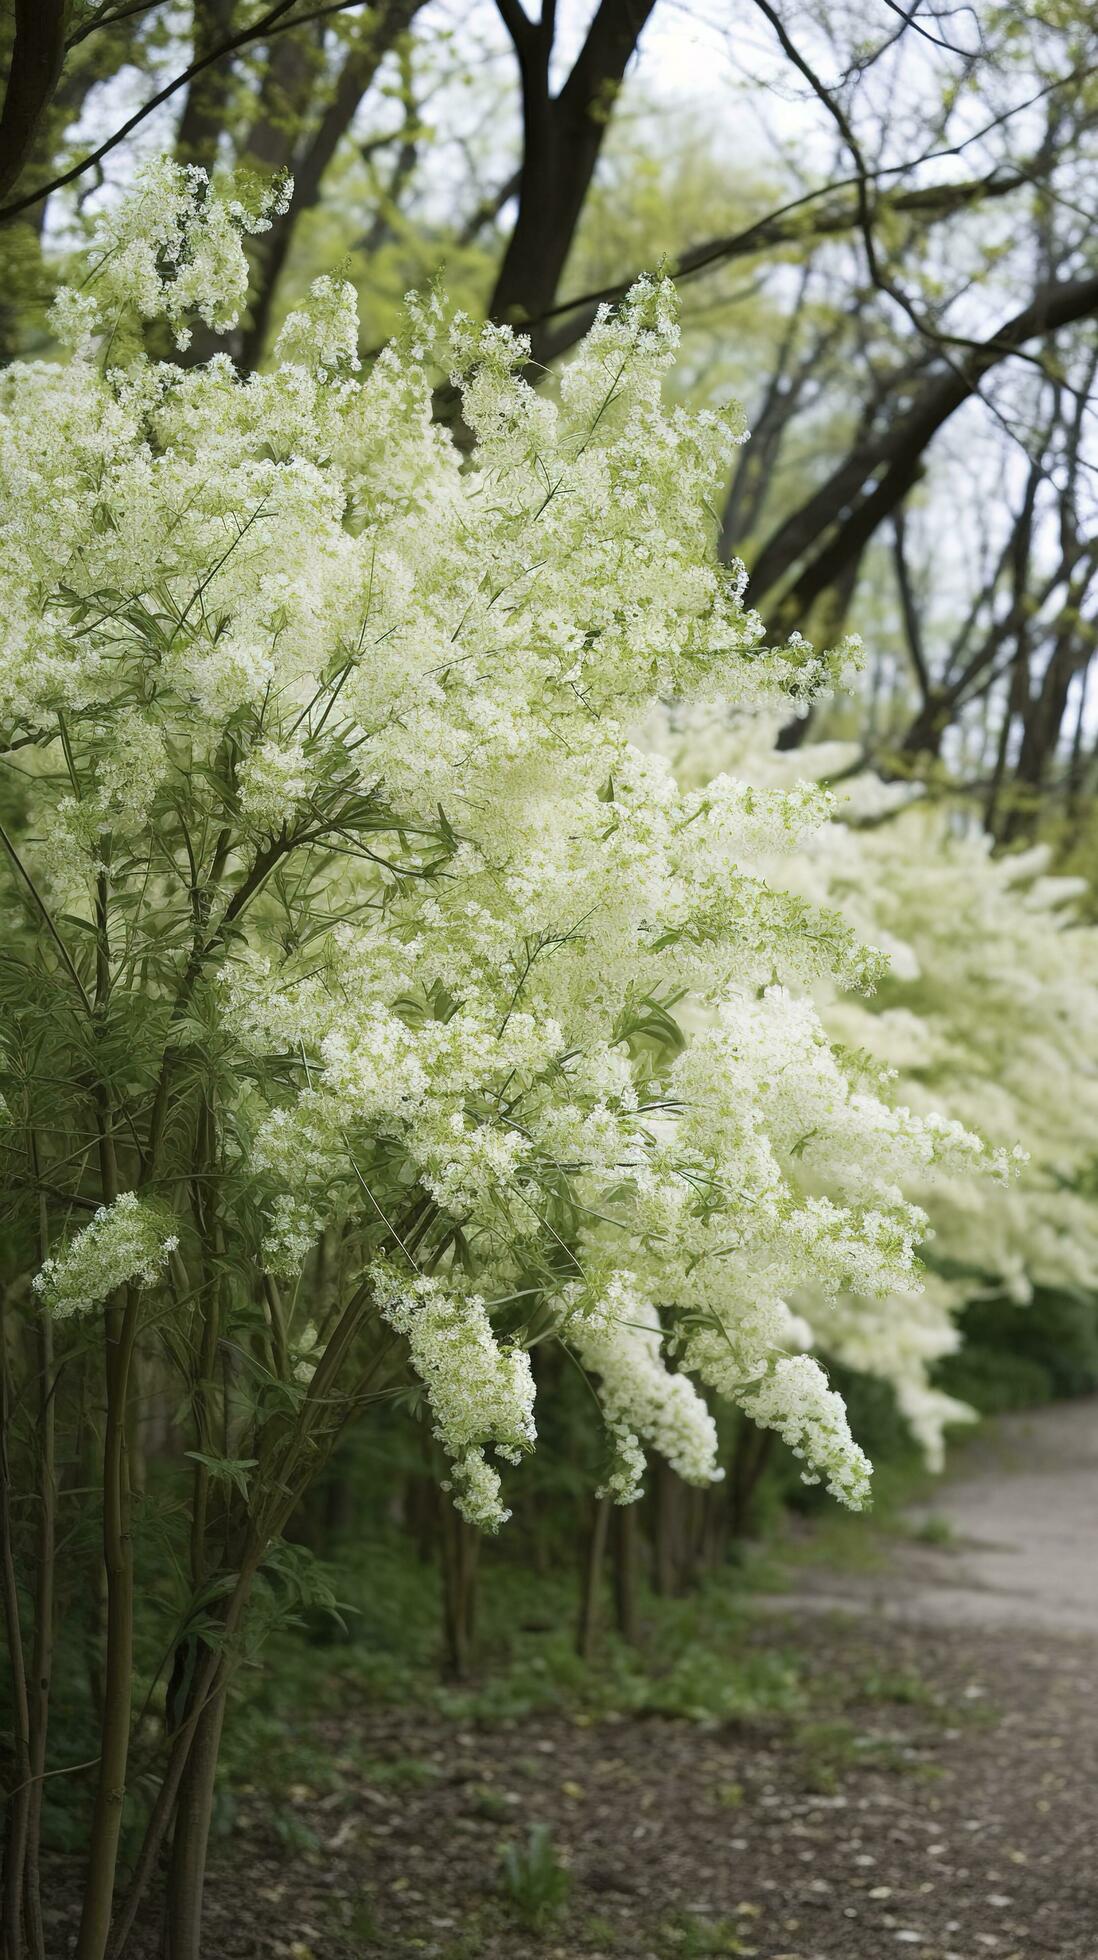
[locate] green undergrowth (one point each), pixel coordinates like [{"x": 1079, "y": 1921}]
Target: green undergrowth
[
  {"x": 360, "y": 1630},
  {"x": 694, "y": 1658},
  {"x": 711, "y": 1657}
]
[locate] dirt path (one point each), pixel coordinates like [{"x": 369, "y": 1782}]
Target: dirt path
[{"x": 1020, "y": 1529}]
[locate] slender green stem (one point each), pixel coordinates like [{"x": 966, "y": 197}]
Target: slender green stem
[
  {"x": 15, "y": 1849},
  {"x": 47, "y": 918},
  {"x": 277, "y": 1312},
  {"x": 120, "y": 1333},
  {"x": 121, "y": 1329},
  {"x": 207, "y": 1684},
  {"x": 42, "y": 1650},
  {"x": 194, "y": 1809},
  {"x": 201, "y": 952}
]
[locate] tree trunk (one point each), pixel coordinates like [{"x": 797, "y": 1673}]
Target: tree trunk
[
  {"x": 749, "y": 1460},
  {"x": 563, "y": 136},
  {"x": 190, "y": 1840},
  {"x": 460, "y": 1560},
  {"x": 15, "y": 1849},
  {"x": 625, "y": 1572},
  {"x": 667, "y": 1522},
  {"x": 42, "y": 1652},
  {"x": 110, "y": 1793},
  {"x": 591, "y": 1585}
]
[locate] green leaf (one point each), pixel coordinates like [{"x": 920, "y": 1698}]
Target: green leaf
[{"x": 227, "y": 1469}]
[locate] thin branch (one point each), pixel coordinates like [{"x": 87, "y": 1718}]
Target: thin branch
[
  {"x": 770, "y": 230},
  {"x": 105, "y": 17},
  {"x": 46, "y": 916},
  {"x": 907, "y": 15},
  {"x": 270, "y": 23}
]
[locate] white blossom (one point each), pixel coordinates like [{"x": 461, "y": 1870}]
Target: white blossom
[
  {"x": 982, "y": 1019},
  {"x": 480, "y": 1393},
  {"x": 126, "y": 1243},
  {"x": 620, "y": 1339}
]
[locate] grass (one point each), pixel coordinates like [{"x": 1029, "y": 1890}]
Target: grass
[
  {"x": 934, "y": 1531},
  {"x": 699, "y": 1659},
  {"x": 690, "y": 1937},
  {"x": 695, "y": 1663},
  {"x": 707, "y": 1659},
  {"x": 535, "y": 1882}
]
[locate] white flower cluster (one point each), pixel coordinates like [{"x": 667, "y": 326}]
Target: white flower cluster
[
  {"x": 474, "y": 953},
  {"x": 324, "y": 335},
  {"x": 480, "y": 1393},
  {"x": 171, "y": 250},
  {"x": 272, "y": 781},
  {"x": 620, "y": 1340},
  {"x": 126, "y": 1243},
  {"x": 796, "y": 1401}
]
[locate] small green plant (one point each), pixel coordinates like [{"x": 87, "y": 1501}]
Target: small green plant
[
  {"x": 363, "y": 1921},
  {"x": 899, "y": 1685},
  {"x": 827, "y": 1750},
  {"x": 486, "y": 1802},
  {"x": 534, "y": 1879},
  {"x": 601, "y": 1932},
  {"x": 934, "y": 1530},
  {"x": 691, "y": 1938}
]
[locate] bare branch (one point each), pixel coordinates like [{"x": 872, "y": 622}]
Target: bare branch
[{"x": 272, "y": 22}]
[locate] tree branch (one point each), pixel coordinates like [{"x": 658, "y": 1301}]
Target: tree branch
[
  {"x": 272, "y": 22},
  {"x": 847, "y": 507}
]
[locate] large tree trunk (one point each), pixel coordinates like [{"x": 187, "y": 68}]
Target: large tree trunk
[{"x": 563, "y": 137}]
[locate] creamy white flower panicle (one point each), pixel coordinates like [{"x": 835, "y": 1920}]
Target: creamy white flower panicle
[
  {"x": 126, "y": 1243},
  {"x": 272, "y": 782},
  {"x": 480, "y": 1393},
  {"x": 349, "y": 712},
  {"x": 620, "y": 1340},
  {"x": 795, "y": 1400},
  {"x": 169, "y": 251}
]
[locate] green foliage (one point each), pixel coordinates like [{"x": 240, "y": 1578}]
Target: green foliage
[
  {"x": 1016, "y": 1357},
  {"x": 534, "y": 1880}
]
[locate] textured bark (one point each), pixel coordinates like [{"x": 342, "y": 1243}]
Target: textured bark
[
  {"x": 38, "y": 51},
  {"x": 562, "y": 141}
]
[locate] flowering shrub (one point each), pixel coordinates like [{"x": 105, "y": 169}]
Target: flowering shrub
[
  {"x": 332, "y": 756},
  {"x": 389, "y": 1006},
  {"x": 986, "y": 1011}
]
